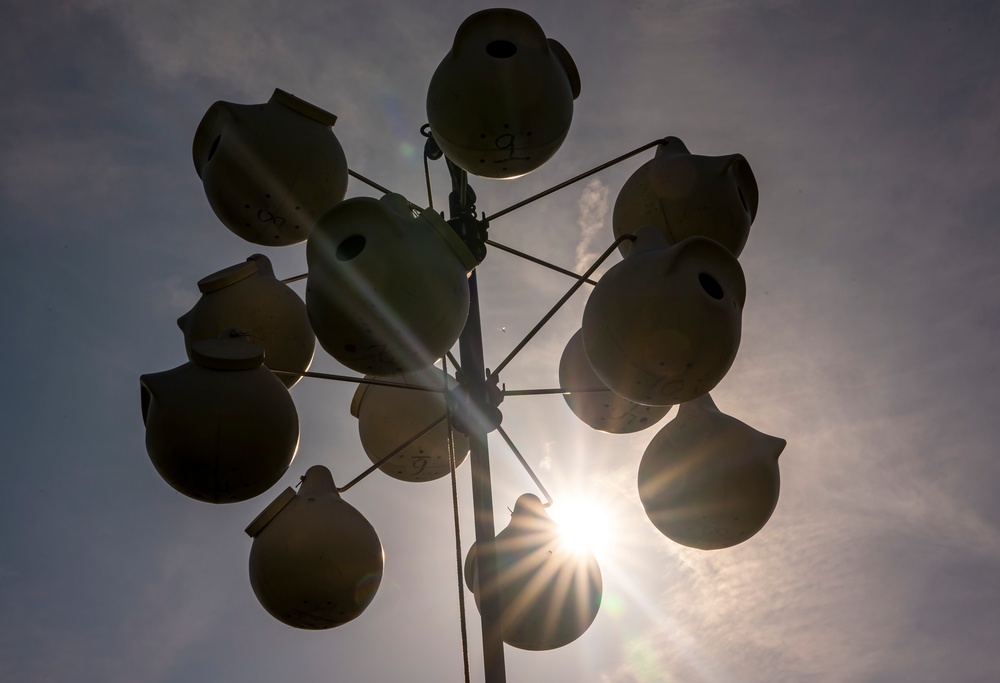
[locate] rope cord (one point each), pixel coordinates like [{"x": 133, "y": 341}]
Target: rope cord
[{"x": 453, "y": 465}]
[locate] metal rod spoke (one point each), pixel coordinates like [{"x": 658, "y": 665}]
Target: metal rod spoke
[
  {"x": 563, "y": 300},
  {"x": 524, "y": 464},
  {"x": 391, "y": 455},
  {"x": 533, "y": 259},
  {"x": 360, "y": 380},
  {"x": 368, "y": 181},
  {"x": 288, "y": 280},
  {"x": 574, "y": 179},
  {"x": 544, "y": 392}
]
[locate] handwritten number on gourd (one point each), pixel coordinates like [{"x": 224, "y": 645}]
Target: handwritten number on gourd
[{"x": 506, "y": 142}]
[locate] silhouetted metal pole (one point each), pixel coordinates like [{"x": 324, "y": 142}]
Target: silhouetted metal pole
[
  {"x": 474, "y": 375},
  {"x": 471, "y": 348}
]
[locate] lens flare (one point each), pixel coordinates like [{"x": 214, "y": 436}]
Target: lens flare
[{"x": 585, "y": 525}]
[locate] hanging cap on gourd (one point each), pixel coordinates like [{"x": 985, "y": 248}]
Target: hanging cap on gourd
[
  {"x": 249, "y": 297},
  {"x": 220, "y": 428},
  {"x": 227, "y": 276},
  {"x": 232, "y": 350}
]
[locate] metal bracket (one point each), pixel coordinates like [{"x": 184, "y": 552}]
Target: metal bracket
[
  {"x": 472, "y": 231},
  {"x": 470, "y": 408}
]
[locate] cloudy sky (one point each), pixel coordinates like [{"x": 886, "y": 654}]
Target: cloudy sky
[{"x": 869, "y": 340}]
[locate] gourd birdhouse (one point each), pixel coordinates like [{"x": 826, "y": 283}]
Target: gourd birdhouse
[
  {"x": 316, "y": 562},
  {"x": 388, "y": 288},
  {"x": 604, "y": 410},
  {"x": 389, "y": 417},
  {"x": 687, "y": 195},
  {"x": 708, "y": 480},
  {"x": 248, "y": 296},
  {"x": 663, "y": 326},
  {"x": 501, "y": 101},
  {"x": 270, "y": 170},
  {"x": 221, "y": 428},
  {"x": 549, "y": 593}
]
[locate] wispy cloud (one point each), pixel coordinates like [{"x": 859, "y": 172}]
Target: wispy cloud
[
  {"x": 180, "y": 295},
  {"x": 593, "y": 208}
]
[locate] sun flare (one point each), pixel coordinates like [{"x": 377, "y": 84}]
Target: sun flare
[{"x": 585, "y": 524}]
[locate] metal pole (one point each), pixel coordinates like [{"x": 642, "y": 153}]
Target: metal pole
[
  {"x": 470, "y": 345},
  {"x": 474, "y": 372}
]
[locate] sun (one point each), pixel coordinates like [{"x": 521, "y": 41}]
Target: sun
[{"x": 586, "y": 524}]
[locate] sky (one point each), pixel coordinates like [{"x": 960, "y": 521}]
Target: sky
[{"x": 869, "y": 339}]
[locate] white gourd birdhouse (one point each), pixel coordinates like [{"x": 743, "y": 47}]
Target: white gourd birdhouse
[
  {"x": 270, "y": 170},
  {"x": 388, "y": 290},
  {"x": 605, "y": 410},
  {"x": 687, "y": 195},
  {"x": 549, "y": 593},
  {"x": 316, "y": 562},
  {"x": 248, "y": 296},
  {"x": 707, "y": 480},
  {"x": 388, "y": 417},
  {"x": 221, "y": 428},
  {"x": 501, "y": 102},
  {"x": 663, "y": 326}
]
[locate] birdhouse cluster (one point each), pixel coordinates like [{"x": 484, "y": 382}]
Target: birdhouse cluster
[{"x": 388, "y": 295}]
